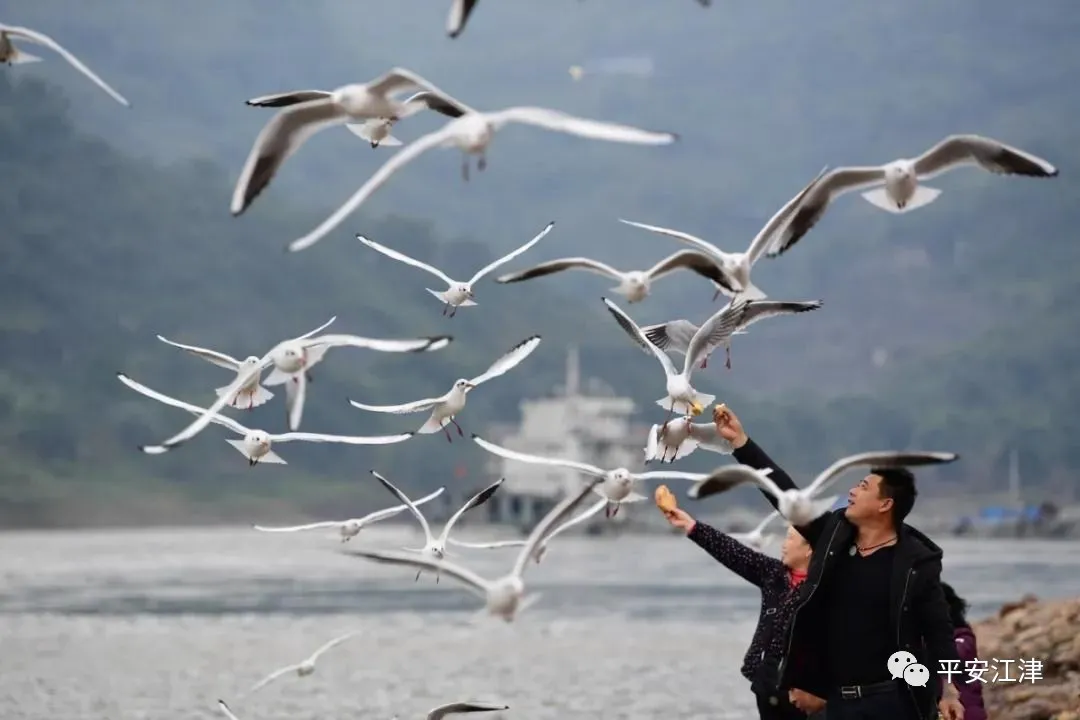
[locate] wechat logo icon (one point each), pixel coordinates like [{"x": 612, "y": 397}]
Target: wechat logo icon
[{"x": 902, "y": 665}]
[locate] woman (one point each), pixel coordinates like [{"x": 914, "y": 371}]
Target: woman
[
  {"x": 777, "y": 580},
  {"x": 970, "y": 692}
]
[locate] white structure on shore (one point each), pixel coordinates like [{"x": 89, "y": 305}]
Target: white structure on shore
[{"x": 591, "y": 425}]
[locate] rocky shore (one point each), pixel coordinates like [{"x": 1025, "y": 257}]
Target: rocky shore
[{"x": 1045, "y": 630}]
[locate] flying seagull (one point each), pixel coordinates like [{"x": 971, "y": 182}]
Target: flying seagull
[
  {"x": 351, "y": 528},
  {"x": 505, "y": 596},
  {"x": 802, "y": 507},
  {"x": 305, "y": 667},
  {"x": 634, "y": 285},
  {"x": 541, "y": 549},
  {"x": 293, "y": 124},
  {"x": 457, "y": 294},
  {"x": 256, "y": 445},
  {"x": 898, "y": 188},
  {"x": 11, "y": 54},
  {"x": 445, "y": 408},
  {"x": 472, "y": 133},
  {"x": 738, "y": 265},
  {"x": 681, "y": 437},
  {"x": 435, "y": 547},
  {"x": 675, "y": 336},
  {"x": 375, "y": 130},
  {"x": 616, "y": 486}
]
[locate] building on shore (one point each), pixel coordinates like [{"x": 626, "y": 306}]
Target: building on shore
[{"x": 579, "y": 421}]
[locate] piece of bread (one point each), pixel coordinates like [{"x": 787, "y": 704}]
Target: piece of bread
[{"x": 665, "y": 500}]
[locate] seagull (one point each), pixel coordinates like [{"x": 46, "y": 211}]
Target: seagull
[
  {"x": 616, "y": 486},
  {"x": 256, "y": 394},
  {"x": 226, "y": 711},
  {"x": 375, "y": 130},
  {"x": 458, "y": 708},
  {"x": 445, "y": 408},
  {"x": 802, "y": 507},
  {"x": 435, "y": 547},
  {"x": 256, "y": 445},
  {"x": 681, "y": 437},
  {"x": 291, "y": 356},
  {"x": 352, "y": 527},
  {"x": 675, "y": 336},
  {"x": 755, "y": 538},
  {"x": 899, "y": 190},
  {"x": 504, "y": 596},
  {"x": 541, "y": 549},
  {"x": 737, "y": 265},
  {"x": 457, "y": 294},
  {"x": 305, "y": 668},
  {"x": 295, "y": 123},
  {"x": 12, "y": 55},
  {"x": 681, "y": 396},
  {"x": 459, "y": 15},
  {"x": 635, "y": 284},
  {"x": 472, "y": 133}
]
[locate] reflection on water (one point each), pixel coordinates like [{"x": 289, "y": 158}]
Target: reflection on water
[{"x": 160, "y": 623}]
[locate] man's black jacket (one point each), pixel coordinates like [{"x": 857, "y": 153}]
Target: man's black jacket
[{"x": 917, "y": 606}]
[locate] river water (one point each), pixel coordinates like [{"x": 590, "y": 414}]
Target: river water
[{"x": 160, "y": 623}]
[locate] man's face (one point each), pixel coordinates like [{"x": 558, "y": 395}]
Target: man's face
[{"x": 865, "y": 500}]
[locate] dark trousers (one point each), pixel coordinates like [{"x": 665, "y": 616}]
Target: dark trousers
[
  {"x": 775, "y": 706},
  {"x": 889, "y": 703}
]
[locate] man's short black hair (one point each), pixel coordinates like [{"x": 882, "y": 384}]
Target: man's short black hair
[{"x": 899, "y": 485}]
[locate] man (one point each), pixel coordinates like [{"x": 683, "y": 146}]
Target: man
[{"x": 873, "y": 588}]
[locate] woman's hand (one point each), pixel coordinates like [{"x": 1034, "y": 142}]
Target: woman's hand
[
  {"x": 681, "y": 519},
  {"x": 807, "y": 702}
]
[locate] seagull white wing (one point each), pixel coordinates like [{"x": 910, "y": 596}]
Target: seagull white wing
[
  {"x": 226, "y": 711},
  {"x": 399, "y": 79},
  {"x": 273, "y": 676},
  {"x": 578, "y": 519},
  {"x": 442, "y": 104},
  {"x": 344, "y": 439},
  {"x": 298, "y": 528},
  {"x": 765, "y": 237},
  {"x": 731, "y": 476},
  {"x": 582, "y": 127},
  {"x": 990, "y": 154},
  {"x": 487, "y": 545},
  {"x": 295, "y": 397},
  {"x": 316, "y": 331},
  {"x": 459, "y": 15},
  {"x": 218, "y": 358},
  {"x": 674, "y": 336},
  {"x": 694, "y": 261},
  {"x": 396, "y": 161},
  {"x": 390, "y": 512},
  {"x": 706, "y": 247},
  {"x": 475, "y": 501},
  {"x": 402, "y": 257},
  {"x": 883, "y": 458},
  {"x": 411, "y": 407},
  {"x": 336, "y": 641},
  {"x": 408, "y": 503},
  {"x": 536, "y": 459},
  {"x": 283, "y": 135},
  {"x": 421, "y": 344},
  {"x": 635, "y": 333},
  {"x": 709, "y": 439},
  {"x": 652, "y": 443},
  {"x": 548, "y": 523},
  {"x": 554, "y": 266},
  {"x": 670, "y": 475},
  {"x": 507, "y": 258},
  {"x": 458, "y": 708},
  {"x": 42, "y": 39},
  {"x": 472, "y": 582},
  {"x": 760, "y": 309},
  {"x": 288, "y": 98},
  {"x": 713, "y": 333},
  {"x": 508, "y": 361},
  {"x": 193, "y": 409}
]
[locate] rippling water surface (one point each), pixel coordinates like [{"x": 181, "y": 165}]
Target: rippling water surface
[{"x": 159, "y": 623}]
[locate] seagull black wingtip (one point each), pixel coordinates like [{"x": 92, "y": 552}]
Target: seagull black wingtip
[{"x": 475, "y": 436}]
